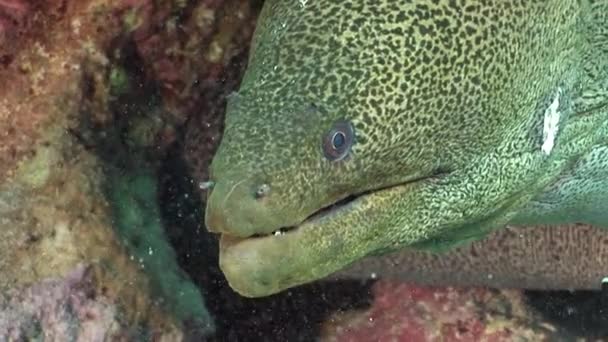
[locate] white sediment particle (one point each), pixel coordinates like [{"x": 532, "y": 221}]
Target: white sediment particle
[
  {"x": 76, "y": 25},
  {"x": 278, "y": 233},
  {"x": 205, "y": 185},
  {"x": 551, "y": 122},
  {"x": 303, "y": 3}
]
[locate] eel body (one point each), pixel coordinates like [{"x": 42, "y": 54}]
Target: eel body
[
  {"x": 564, "y": 257},
  {"x": 422, "y": 128}
]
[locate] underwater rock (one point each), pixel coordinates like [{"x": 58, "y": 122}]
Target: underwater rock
[
  {"x": 408, "y": 312},
  {"x": 64, "y": 309},
  {"x": 97, "y": 91},
  {"x": 189, "y": 54}
]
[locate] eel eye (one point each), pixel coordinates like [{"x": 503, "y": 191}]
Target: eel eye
[{"x": 338, "y": 141}]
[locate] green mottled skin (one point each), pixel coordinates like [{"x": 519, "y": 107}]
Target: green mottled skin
[{"x": 448, "y": 101}]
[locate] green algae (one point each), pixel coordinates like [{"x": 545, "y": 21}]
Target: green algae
[
  {"x": 126, "y": 148},
  {"x": 35, "y": 171},
  {"x": 137, "y": 220},
  {"x": 119, "y": 81}
]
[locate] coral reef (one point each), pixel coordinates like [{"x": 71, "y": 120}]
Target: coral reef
[
  {"x": 99, "y": 91},
  {"x": 407, "y": 312}
]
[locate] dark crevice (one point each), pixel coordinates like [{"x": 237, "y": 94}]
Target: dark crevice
[
  {"x": 583, "y": 313},
  {"x": 293, "y": 315}
]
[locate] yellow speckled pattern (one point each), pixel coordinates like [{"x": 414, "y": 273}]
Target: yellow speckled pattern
[{"x": 449, "y": 103}]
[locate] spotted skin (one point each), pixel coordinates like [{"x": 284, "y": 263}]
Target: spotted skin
[{"x": 448, "y": 100}]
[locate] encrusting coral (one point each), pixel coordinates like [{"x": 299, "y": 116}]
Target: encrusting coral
[
  {"x": 81, "y": 132},
  {"x": 48, "y": 310}
]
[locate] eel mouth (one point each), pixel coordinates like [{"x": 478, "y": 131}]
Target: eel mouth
[
  {"x": 260, "y": 265},
  {"x": 341, "y": 206}
]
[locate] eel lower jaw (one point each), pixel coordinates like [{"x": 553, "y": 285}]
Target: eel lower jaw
[{"x": 259, "y": 266}]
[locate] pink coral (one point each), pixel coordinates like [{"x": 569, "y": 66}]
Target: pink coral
[
  {"x": 64, "y": 309},
  {"x": 183, "y": 53},
  {"x": 407, "y": 312},
  {"x": 14, "y": 10},
  {"x": 12, "y": 18}
]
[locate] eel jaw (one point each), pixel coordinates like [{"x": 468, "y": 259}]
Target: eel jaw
[
  {"x": 325, "y": 242},
  {"x": 332, "y": 209},
  {"x": 262, "y": 265}
]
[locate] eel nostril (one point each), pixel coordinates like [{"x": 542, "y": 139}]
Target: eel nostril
[{"x": 262, "y": 191}]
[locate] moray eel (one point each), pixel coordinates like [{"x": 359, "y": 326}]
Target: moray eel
[{"x": 363, "y": 128}]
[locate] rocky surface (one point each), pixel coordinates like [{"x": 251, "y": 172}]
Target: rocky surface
[
  {"x": 65, "y": 309},
  {"x": 93, "y": 93},
  {"x": 407, "y": 312}
]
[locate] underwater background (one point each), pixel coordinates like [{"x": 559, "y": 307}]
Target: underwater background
[{"x": 110, "y": 113}]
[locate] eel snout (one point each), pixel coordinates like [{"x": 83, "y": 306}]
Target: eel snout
[{"x": 244, "y": 208}]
